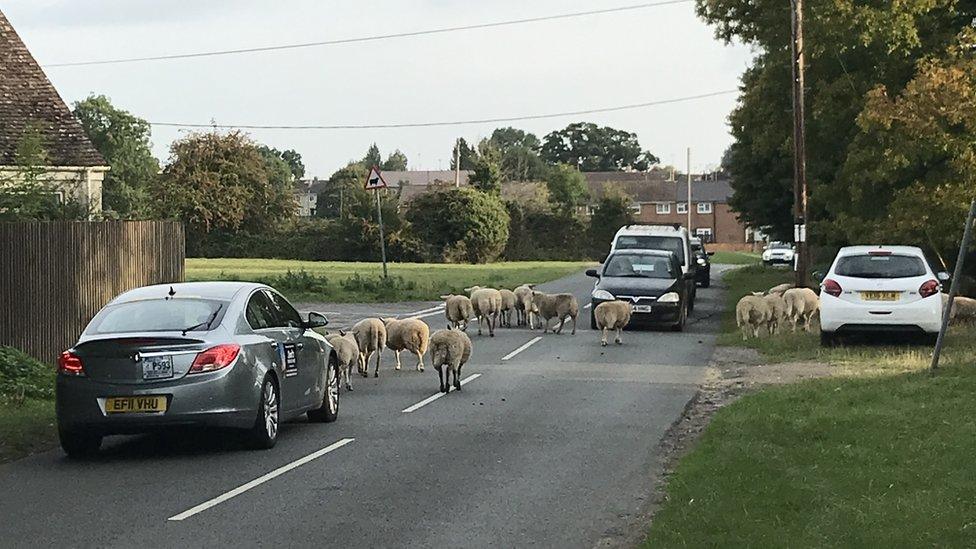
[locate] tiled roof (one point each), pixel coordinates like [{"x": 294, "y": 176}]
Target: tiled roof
[
  {"x": 656, "y": 187},
  {"x": 27, "y": 98},
  {"x": 423, "y": 177}
]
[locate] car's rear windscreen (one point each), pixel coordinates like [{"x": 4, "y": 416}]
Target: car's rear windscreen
[
  {"x": 158, "y": 315},
  {"x": 653, "y": 242},
  {"x": 624, "y": 264},
  {"x": 880, "y": 266}
]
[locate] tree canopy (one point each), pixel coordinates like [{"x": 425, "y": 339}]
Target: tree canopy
[
  {"x": 123, "y": 140},
  {"x": 594, "y": 148}
]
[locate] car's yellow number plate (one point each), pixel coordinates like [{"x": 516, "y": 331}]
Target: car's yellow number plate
[
  {"x": 138, "y": 404},
  {"x": 880, "y": 296}
]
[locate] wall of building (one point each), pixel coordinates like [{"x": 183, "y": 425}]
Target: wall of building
[
  {"x": 725, "y": 226},
  {"x": 81, "y": 184}
]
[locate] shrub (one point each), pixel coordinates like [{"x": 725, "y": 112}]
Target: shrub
[
  {"x": 459, "y": 224},
  {"x": 22, "y": 376}
]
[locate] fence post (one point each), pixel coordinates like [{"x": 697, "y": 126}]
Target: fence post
[{"x": 954, "y": 287}]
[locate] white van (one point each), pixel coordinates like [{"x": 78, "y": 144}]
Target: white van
[{"x": 670, "y": 238}]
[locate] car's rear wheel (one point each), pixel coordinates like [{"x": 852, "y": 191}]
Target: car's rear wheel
[
  {"x": 329, "y": 410},
  {"x": 827, "y": 339},
  {"x": 264, "y": 434},
  {"x": 79, "y": 443}
]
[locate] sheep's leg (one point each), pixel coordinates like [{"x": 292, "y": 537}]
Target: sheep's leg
[
  {"x": 492, "y": 321},
  {"x": 559, "y": 330},
  {"x": 365, "y": 370},
  {"x": 619, "y": 340},
  {"x": 420, "y": 361},
  {"x": 603, "y": 338},
  {"x": 440, "y": 376},
  {"x": 574, "y": 327},
  {"x": 397, "y": 355},
  {"x": 376, "y": 371},
  {"x": 545, "y": 324},
  {"x": 457, "y": 376},
  {"x": 479, "y": 323}
]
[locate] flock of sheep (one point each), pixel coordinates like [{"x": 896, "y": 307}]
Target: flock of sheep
[
  {"x": 450, "y": 348},
  {"x": 771, "y": 310}
]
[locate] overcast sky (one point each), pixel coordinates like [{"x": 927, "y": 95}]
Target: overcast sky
[{"x": 564, "y": 65}]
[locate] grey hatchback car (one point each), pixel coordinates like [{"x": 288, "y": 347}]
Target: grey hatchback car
[{"x": 212, "y": 354}]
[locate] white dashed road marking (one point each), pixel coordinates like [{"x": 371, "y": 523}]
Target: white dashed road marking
[
  {"x": 531, "y": 342},
  {"x": 436, "y": 396},
  {"x": 259, "y": 481}
]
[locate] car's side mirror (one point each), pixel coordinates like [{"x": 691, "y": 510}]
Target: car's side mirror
[
  {"x": 592, "y": 272},
  {"x": 942, "y": 276},
  {"x": 316, "y": 320}
]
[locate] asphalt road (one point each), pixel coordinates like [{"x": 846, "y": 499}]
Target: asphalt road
[{"x": 553, "y": 447}]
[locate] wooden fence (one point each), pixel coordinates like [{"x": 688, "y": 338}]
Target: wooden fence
[{"x": 54, "y": 276}]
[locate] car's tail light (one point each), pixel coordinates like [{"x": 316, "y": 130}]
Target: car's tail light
[
  {"x": 215, "y": 358},
  {"x": 70, "y": 364},
  {"x": 831, "y": 287},
  {"x": 928, "y": 288},
  {"x": 879, "y": 252}
]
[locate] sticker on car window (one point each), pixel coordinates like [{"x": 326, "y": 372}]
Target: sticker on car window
[{"x": 644, "y": 267}]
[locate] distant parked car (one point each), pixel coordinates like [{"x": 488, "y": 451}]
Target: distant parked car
[
  {"x": 650, "y": 280},
  {"x": 703, "y": 275},
  {"x": 880, "y": 289},
  {"x": 778, "y": 253},
  {"x": 217, "y": 354}
]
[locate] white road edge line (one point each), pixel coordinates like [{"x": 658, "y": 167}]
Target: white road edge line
[
  {"x": 259, "y": 481},
  {"x": 432, "y": 310},
  {"x": 587, "y": 306},
  {"x": 531, "y": 342},
  {"x": 436, "y": 396}
]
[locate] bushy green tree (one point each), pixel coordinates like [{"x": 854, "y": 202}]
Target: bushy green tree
[
  {"x": 222, "y": 181},
  {"x": 459, "y": 224},
  {"x": 28, "y": 192},
  {"x": 612, "y": 212},
  {"x": 291, "y": 157},
  {"x": 487, "y": 176},
  {"x": 567, "y": 187},
  {"x": 123, "y": 140},
  {"x": 594, "y": 148},
  {"x": 469, "y": 155}
]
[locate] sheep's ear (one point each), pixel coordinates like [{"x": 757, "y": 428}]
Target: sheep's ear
[
  {"x": 531, "y": 286},
  {"x": 448, "y": 296},
  {"x": 342, "y": 333}
]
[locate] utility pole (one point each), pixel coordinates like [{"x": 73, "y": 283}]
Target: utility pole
[
  {"x": 799, "y": 151},
  {"x": 689, "y": 191},
  {"x": 457, "y": 162}
]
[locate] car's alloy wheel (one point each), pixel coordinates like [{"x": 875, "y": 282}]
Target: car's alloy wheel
[
  {"x": 329, "y": 410},
  {"x": 264, "y": 434}
]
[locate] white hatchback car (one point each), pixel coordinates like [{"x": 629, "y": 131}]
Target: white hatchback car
[{"x": 880, "y": 289}]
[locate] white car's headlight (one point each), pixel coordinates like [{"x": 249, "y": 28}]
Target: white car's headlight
[
  {"x": 701, "y": 260},
  {"x": 670, "y": 297},
  {"x": 602, "y": 294},
  {"x": 766, "y": 255}
]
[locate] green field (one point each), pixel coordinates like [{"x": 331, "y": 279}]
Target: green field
[
  {"x": 334, "y": 281},
  {"x": 878, "y": 455},
  {"x": 735, "y": 258},
  {"x": 25, "y": 427}
]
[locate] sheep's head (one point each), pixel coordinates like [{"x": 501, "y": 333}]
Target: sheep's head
[
  {"x": 758, "y": 294},
  {"x": 446, "y": 297},
  {"x": 472, "y": 289}
]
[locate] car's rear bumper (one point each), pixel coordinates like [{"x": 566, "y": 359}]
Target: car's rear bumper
[
  {"x": 923, "y": 315},
  {"x": 220, "y": 399}
]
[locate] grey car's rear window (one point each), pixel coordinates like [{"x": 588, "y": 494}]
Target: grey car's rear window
[
  {"x": 652, "y": 242},
  {"x": 639, "y": 265},
  {"x": 880, "y": 266},
  {"x": 158, "y": 315}
]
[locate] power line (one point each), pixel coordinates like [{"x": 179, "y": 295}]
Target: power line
[
  {"x": 369, "y": 38},
  {"x": 449, "y": 123}
]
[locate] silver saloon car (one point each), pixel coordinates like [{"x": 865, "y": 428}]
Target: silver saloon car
[{"x": 211, "y": 354}]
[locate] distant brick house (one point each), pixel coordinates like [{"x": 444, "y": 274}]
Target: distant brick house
[
  {"x": 657, "y": 198},
  {"x": 29, "y": 103}
]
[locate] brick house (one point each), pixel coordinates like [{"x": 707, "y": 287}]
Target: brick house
[
  {"x": 29, "y": 103},
  {"x": 657, "y": 198}
]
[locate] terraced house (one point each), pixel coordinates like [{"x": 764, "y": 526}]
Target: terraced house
[
  {"x": 659, "y": 197},
  {"x": 65, "y": 163}
]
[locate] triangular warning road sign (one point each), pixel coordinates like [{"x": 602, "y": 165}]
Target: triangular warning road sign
[{"x": 374, "y": 180}]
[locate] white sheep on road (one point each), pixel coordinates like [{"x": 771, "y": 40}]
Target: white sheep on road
[
  {"x": 523, "y": 305},
  {"x": 559, "y": 306},
  {"x": 449, "y": 349},
  {"x": 370, "y": 334},
  {"x": 801, "y": 306},
  {"x": 458, "y": 310},
  {"x": 487, "y": 303},
  {"x": 408, "y": 334},
  {"x": 612, "y": 315}
]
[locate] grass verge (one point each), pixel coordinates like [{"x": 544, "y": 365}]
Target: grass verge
[
  {"x": 879, "y": 454},
  {"x": 735, "y": 258},
  {"x": 341, "y": 282},
  {"x": 26, "y": 427}
]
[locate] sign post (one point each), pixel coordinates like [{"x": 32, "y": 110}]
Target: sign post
[{"x": 375, "y": 182}]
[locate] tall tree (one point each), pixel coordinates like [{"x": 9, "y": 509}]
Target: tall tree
[
  {"x": 487, "y": 176},
  {"x": 594, "y": 148},
  {"x": 469, "y": 155},
  {"x": 123, "y": 140},
  {"x": 397, "y": 161},
  {"x": 519, "y": 156},
  {"x": 222, "y": 181},
  {"x": 290, "y": 157},
  {"x": 373, "y": 156},
  {"x": 567, "y": 188}
]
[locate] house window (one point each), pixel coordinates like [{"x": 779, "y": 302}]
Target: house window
[
  {"x": 636, "y": 208},
  {"x": 704, "y": 207},
  {"x": 704, "y": 233},
  {"x": 682, "y": 207},
  {"x": 663, "y": 208}
]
